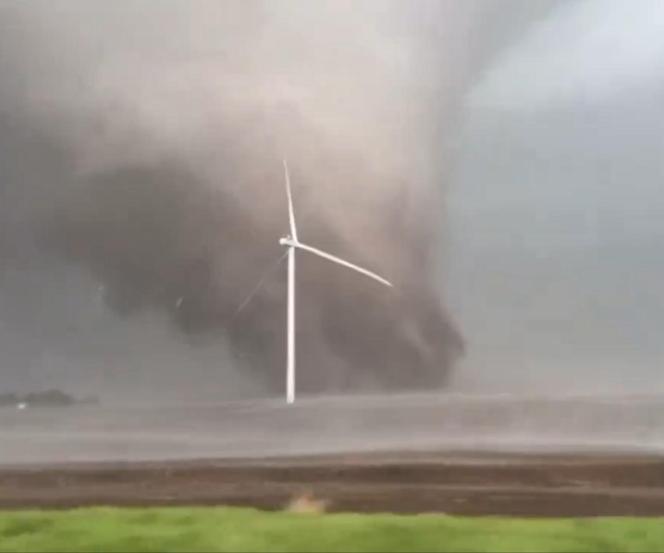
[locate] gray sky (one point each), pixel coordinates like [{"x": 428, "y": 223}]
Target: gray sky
[
  {"x": 586, "y": 50},
  {"x": 555, "y": 227},
  {"x": 557, "y": 211}
]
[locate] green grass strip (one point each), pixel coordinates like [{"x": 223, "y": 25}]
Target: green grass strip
[{"x": 228, "y": 529}]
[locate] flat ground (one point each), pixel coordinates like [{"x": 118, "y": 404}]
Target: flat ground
[
  {"x": 402, "y": 458},
  {"x": 464, "y": 484}
]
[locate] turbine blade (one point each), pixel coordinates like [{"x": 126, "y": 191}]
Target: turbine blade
[
  {"x": 260, "y": 283},
  {"x": 339, "y": 261},
  {"x": 291, "y": 212}
]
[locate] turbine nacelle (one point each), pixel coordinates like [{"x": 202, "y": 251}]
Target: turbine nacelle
[{"x": 297, "y": 245}]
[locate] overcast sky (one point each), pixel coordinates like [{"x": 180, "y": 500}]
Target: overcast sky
[
  {"x": 558, "y": 205},
  {"x": 555, "y": 229}
]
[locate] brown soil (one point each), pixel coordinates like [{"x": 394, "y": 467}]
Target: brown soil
[{"x": 482, "y": 484}]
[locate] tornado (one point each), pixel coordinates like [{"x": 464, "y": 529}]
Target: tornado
[{"x": 141, "y": 142}]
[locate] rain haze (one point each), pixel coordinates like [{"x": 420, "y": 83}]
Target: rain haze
[{"x": 500, "y": 162}]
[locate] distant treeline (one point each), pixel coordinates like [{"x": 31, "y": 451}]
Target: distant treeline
[{"x": 49, "y": 398}]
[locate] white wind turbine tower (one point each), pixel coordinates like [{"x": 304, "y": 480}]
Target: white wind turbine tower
[{"x": 292, "y": 243}]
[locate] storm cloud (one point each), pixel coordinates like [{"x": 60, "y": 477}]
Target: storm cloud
[{"x": 141, "y": 147}]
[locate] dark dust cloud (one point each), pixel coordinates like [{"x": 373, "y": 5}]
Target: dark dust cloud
[{"x": 140, "y": 183}]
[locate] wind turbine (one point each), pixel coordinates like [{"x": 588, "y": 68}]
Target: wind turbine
[{"x": 292, "y": 244}]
